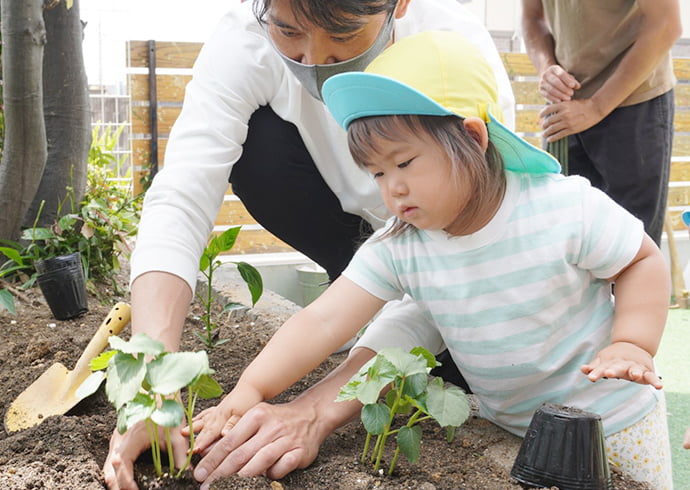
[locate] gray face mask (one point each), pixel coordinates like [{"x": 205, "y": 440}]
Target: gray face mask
[{"x": 312, "y": 77}]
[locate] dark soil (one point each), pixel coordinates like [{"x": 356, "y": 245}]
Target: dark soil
[{"x": 67, "y": 451}]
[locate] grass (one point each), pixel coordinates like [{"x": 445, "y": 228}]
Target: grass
[{"x": 673, "y": 364}]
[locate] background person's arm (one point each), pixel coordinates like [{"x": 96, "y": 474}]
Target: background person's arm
[
  {"x": 555, "y": 84},
  {"x": 661, "y": 27}
]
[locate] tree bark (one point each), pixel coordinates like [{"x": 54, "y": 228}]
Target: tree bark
[
  {"x": 67, "y": 116},
  {"x": 24, "y": 154}
]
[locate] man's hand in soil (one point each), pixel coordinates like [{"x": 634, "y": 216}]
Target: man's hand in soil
[
  {"x": 118, "y": 468},
  {"x": 274, "y": 440},
  {"x": 269, "y": 439}
]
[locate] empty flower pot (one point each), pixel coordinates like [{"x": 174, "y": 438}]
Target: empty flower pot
[
  {"x": 62, "y": 283},
  {"x": 563, "y": 447}
]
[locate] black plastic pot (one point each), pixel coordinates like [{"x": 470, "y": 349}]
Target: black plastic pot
[
  {"x": 62, "y": 283},
  {"x": 564, "y": 447}
]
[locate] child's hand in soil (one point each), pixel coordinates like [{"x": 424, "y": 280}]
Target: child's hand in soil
[
  {"x": 118, "y": 469},
  {"x": 623, "y": 360}
]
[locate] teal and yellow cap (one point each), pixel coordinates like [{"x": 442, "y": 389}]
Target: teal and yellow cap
[{"x": 433, "y": 73}]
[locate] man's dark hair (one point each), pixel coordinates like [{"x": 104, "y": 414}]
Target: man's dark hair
[{"x": 334, "y": 16}]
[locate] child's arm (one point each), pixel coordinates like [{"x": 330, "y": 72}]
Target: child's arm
[
  {"x": 642, "y": 292},
  {"x": 299, "y": 346}
]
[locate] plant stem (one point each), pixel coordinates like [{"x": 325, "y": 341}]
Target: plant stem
[
  {"x": 191, "y": 402},
  {"x": 376, "y": 448},
  {"x": 208, "y": 303},
  {"x": 394, "y": 461},
  {"x": 366, "y": 447},
  {"x": 152, "y": 429},
  {"x": 413, "y": 420},
  {"x": 171, "y": 456},
  {"x": 394, "y": 408}
]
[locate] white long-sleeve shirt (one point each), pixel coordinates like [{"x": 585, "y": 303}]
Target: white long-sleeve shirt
[{"x": 238, "y": 71}]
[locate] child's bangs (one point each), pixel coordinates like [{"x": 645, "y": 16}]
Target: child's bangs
[{"x": 364, "y": 133}]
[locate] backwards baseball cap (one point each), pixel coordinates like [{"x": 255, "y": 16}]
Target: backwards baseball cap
[{"x": 433, "y": 73}]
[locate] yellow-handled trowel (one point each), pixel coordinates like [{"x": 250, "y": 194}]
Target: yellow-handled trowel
[{"x": 54, "y": 392}]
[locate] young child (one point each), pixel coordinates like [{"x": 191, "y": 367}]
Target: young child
[{"x": 512, "y": 261}]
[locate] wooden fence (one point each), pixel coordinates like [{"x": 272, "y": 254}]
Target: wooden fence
[{"x": 159, "y": 71}]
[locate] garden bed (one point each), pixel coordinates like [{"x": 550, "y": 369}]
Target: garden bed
[{"x": 67, "y": 451}]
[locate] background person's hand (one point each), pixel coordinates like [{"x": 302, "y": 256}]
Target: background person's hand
[
  {"x": 557, "y": 85},
  {"x": 623, "y": 360},
  {"x": 118, "y": 469},
  {"x": 571, "y": 117},
  {"x": 686, "y": 439}
]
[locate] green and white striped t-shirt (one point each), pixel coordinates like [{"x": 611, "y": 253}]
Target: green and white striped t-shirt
[{"x": 522, "y": 303}]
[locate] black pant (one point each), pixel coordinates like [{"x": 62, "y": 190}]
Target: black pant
[
  {"x": 280, "y": 186},
  {"x": 628, "y": 156}
]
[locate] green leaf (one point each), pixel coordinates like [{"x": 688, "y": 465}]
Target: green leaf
[
  {"x": 101, "y": 361},
  {"x": 124, "y": 376},
  {"x": 206, "y": 387},
  {"x": 172, "y": 372},
  {"x": 415, "y": 384},
  {"x": 7, "y": 301},
  {"x": 431, "y": 361},
  {"x": 67, "y": 221},
  {"x": 232, "y": 306},
  {"x": 253, "y": 279},
  {"x": 410, "y": 441},
  {"x": 12, "y": 254},
  {"x": 138, "y": 344},
  {"x": 205, "y": 261},
  {"x": 37, "y": 234},
  {"x": 449, "y": 406},
  {"x": 90, "y": 385},
  {"x": 226, "y": 240},
  {"x": 138, "y": 409},
  {"x": 169, "y": 414},
  {"x": 349, "y": 391},
  {"x": 406, "y": 364},
  {"x": 372, "y": 378},
  {"x": 375, "y": 417}
]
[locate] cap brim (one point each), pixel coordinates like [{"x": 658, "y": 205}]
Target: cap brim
[
  {"x": 353, "y": 95},
  {"x": 519, "y": 155}
]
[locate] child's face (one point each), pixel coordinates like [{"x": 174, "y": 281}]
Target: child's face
[{"x": 418, "y": 184}]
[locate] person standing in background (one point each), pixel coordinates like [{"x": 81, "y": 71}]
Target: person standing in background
[{"x": 605, "y": 69}]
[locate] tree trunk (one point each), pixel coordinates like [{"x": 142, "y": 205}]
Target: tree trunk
[
  {"x": 24, "y": 154},
  {"x": 67, "y": 116}
]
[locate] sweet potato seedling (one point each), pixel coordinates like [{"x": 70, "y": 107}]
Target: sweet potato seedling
[
  {"x": 208, "y": 264},
  {"x": 144, "y": 382},
  {"x": 411, "y": 392}
]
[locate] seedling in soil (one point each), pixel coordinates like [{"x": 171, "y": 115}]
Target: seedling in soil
[
  {"x": 411, "y": 393},
  {"x": 208, "y": 265},
  {"x": 144, "y": 382}
]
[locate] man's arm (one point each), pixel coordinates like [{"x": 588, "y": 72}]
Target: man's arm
[
  {"x": 555, "y": 84},
  {"x": 661, "y": 27},
  {"x": 160, "y": 302}
]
